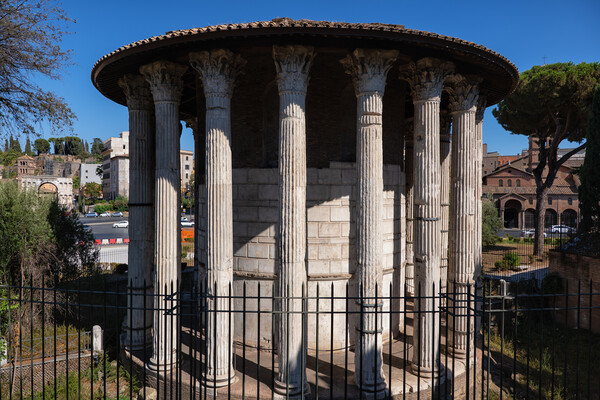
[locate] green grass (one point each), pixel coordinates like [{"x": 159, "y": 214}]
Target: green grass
[{"x": 536, "y": 352}]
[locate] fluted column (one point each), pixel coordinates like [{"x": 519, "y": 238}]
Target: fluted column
[
  {"x": 369, "y": 69},
  {"x": 292, "y": 64},
  {"x": 217, "y": 70},
  {"x": 426, "y": 78},
  {"x": 481, "y": 105},
  {"x": 463, "y": 103},
  {"x": 141, "y": 211},
  {"x": 166, "y": 86},
  {"x": 409, "y": 163},
  {"x": 445, "y": 123}
]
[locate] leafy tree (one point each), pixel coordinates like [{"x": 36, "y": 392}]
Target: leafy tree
[
  {"x": 41, "y": 146},
  {"x": 31, "y": 32},
  {"x": 97, "y": 147},
  {"x": 121, "y": 203},
  {"x": 6, "y": 146},
  {"x": 75, "y": 182},
  {"x": 92, "y": 190},
  {"x": 551, "y": 104},
  {"x": 490, "y": 221},
  {"x": 87, "y": 147},
  {"x": 28, "y": 147},
  {"x": 589, "y": 191},
  {"x": 59, "y": 145},
  {"x": 15, "y": 145},
  {"x": 99, "y": 171}
]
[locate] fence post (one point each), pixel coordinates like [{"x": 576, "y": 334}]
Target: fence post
[{"x": 98, "y": 344}]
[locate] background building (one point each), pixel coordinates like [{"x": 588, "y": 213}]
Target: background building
[
  {"x": 510, "y": 182},
  {"x": 186, "y": 163},
  {"x": 87, "y": 174},
  {"x": 115, "y": 166}
]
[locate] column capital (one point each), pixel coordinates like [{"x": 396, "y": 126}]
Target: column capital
[
  {"x": 165, "y": 80},
  {"x": 368, "y": 69},
  {"x": 137, "y": 92},
  {"x": 464, "y": 93},
  {"x": 426, "y": 78},
  {"x": 292, "y": 64},
  {"x": 218, "y": 70},
  {"x": 481, "y": 106}
]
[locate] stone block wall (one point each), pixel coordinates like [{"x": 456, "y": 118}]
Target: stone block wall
[{"x": 331, "y": 250}]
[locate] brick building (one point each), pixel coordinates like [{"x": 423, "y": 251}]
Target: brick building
[{"x": 512, "y": 187}]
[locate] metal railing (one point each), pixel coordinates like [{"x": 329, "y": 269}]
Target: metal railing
[{"x": 518, "y": 341}]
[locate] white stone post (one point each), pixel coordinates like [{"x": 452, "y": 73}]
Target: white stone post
[
  {"x": 463, "y": 103},
  {"x": 292, "y": 64},
  {"x": 141, "y": 211},
  {"x": 445, "y": 123},
  {"x": 409, "y": 165},
  {"x": 217, "y": 70},
  {"x": 426, "y": 77},
  {"x": 369, "y": 69},
  {"x": 166, "y": 86}
]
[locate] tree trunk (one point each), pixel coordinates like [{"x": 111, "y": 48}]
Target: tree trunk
[{"x": 541, "y": 196}]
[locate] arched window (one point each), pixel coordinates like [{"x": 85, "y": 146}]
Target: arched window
[
  {"x": 500, "y": 183},
  {"x": 518, "y": 183},
  {"x": 509, "y": 182}
]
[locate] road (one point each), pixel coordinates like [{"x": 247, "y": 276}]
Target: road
[{"x": 102, "y": 228}]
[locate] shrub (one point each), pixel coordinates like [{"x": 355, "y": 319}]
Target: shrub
[
  {"x": 102, "y": 207},
  {"x": 508, "y": 262},
  {"x": 121, "y": 269}
]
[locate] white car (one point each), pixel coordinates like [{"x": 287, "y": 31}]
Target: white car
[
  {"x": 531, "y": 233},
  {"x": 121, "y": 224},
  {"x": 561, "y": 229},
  {"x": 105, "y": 214},
  {"x": 187, "y": 223}
]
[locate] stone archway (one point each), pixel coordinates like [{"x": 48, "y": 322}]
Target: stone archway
[
  {"x": 512, "y": 211},
  {"x": 569, "y": 218},
  {"x": 48, "y": 190}
]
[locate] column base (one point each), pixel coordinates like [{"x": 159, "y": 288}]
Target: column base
[
  {"x": 158, "y": 367},
  {"x": 426, "y": 373},
  {"x": 461, "y": 354},
  {"x": 132, "y": 346},
  {"x": 374, "y": 392},
  {"x": 287, "y": 391},
  {"x": 213, "y": 383}
]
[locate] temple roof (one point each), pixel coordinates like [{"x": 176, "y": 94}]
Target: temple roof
[{"x": 499, "y": 74}]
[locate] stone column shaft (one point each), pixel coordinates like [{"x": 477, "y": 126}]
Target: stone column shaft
[
  {"x": 369, "y": 70},
  {"x": 479, "y": 186},
  {"x": 409, "y": 155},
  {"x": 462, "y": 215},
  {"x": 427, "y": 78},
  {"x": 141, "y": 211},
  {"x": 292, "y": 64},
  {"x": 218, "y": 69},
  {"x": 445, "y": 123},
  {"x": 166, "y": 85}
]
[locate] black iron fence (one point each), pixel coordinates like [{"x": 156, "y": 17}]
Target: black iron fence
[{"x": 497, "y": 340}]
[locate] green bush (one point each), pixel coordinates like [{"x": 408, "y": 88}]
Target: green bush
[
  {"x": 102, "y": 207},
  {"x": 508, "y": 262}
]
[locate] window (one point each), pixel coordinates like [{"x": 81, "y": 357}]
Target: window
[
  {"x": 186, "y": 158},
  {"x": 531, "y": 200},
  {"x": 187, "y": 167},
  {"x": 549, "y": 200},
  {"x": 123, "y": 147},
  {"x": 518, "y": 183},
  {"x": 500, "y": 183},
  {"x": 570, "y": 201},
  {"x": 510, "y": 183},
  {"x": 186, "y": 176}
]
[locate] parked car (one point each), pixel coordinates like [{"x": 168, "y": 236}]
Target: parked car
[
  {"x": 184, "y": 219},
  {"x": 105, "y": 214},
  {"x": 561, "y": 229},
  {"x": 91, "y": 215},
  {"x": 531, "y": 233},
  {"x": 187, "y": 223},
  {"x": 117, "y": 214},
  {"x": 121, "y": 224}
]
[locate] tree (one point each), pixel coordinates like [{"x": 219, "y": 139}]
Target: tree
[
  {"x": 92, "y": 189},
  {"x": 490, "y": 221},
  {"x": 15, "y": 145},
  {"x": 97, "y": 147},
  {"x": 589, "y": 191},
  {"x": 550, "y": 104},
  {"x": 31, "y": 32},
  {"x": 59, "y": 145},
  {"x": 28, "y": 147},
  {"x": 41, "y": 146}
]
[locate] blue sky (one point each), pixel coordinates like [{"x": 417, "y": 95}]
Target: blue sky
[{"x": 523, "y": 31}]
